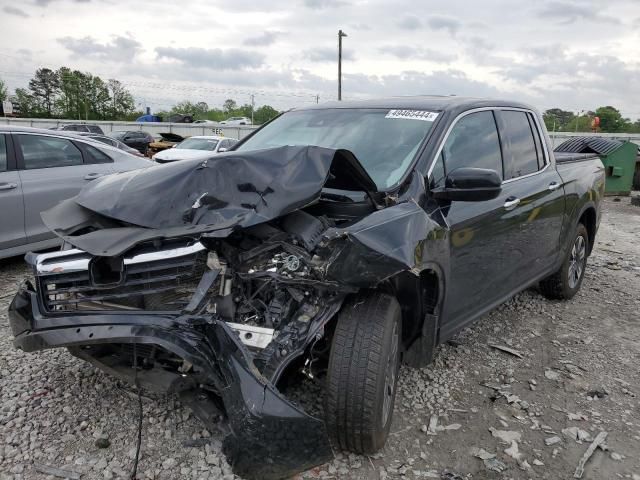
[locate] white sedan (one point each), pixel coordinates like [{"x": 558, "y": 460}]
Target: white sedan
[
  {"x": 199, "y": 147},
  {"x": 236, "y": 121}
]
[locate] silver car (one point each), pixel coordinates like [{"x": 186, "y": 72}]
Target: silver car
[{"x": 38, "y": 169}]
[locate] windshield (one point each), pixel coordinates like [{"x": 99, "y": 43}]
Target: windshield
[
  {"x": 198, "y": 144},
  {"x": 384, "y": 141}
]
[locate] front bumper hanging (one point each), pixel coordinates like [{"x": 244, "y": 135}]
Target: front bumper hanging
[{"x": 270, "y": 437}]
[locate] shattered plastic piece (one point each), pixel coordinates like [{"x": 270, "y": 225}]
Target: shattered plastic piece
[
  {"x": 552, "y": 374},
  {"x": 433, "y": 425},
  {"x": 513, "y": 451},
  {"x": 507, "y": 350},
  {"x": 600, "y": 438},
  {"x": 56, "y": 472},
  {"x": 577, "y": 434},
  {"x": 524, "y": 465},
  {"x": 481, "y": 453},
  {"x": 577, "y": 416},
  {"x": 453, "y": 426},
  {"x": 494, "y": 465},
  {"x": 552, "y": 441},
  {"x": 506, "y": 436},
  {"x": 489, "y": 459},
  {"x": 447, "y": 475}
]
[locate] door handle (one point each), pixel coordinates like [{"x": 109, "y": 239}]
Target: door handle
[
  {"x": 92, "y": 176},
  {"x": 554, "y": 186},
  {"x": 7, "y": 186},
  {"x": 511, "y": 203}
]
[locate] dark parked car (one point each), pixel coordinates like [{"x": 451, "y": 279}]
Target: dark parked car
[
  {"x": 112, "y": 142},
  {"x": 317, "y": 248},
  {"x": 80, "y": 127},
  {"x": 38, "y": 169},
  {"x": 134, "y": 139}
]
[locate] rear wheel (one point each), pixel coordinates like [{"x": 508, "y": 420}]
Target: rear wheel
[
  {"x": 566, "y": 282},
  {"x": 362, "y": 377}
]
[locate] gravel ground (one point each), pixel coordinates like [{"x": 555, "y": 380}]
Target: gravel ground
[{"x": 477, "y": 412}]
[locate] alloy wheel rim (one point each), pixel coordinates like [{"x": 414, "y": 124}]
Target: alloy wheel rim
[
  {"x": 391, "y": 375},
  {"x": 577, "y": 260}
]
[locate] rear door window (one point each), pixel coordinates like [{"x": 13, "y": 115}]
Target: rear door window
[
  {"x": 47, "y": 152},
  {"x": 94, "y": 155},
  {"x": 520, "y": 153},
  {"x": 537, "y": 140},
  {"x": 473, "y": 142}
]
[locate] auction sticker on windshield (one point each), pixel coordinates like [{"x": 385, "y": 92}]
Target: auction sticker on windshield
[{"x": 412, "y": 115}]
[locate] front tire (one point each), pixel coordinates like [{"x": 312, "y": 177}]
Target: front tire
[
  {"x": 566, "y": 282},
  {"x": 362, "y": 377}
]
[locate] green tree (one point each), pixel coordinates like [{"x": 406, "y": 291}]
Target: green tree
[
  {"x": 557, "y": 119},
  {"x": 186, "y": 107},
  {"x": 3, "y": 91},
  {"x": 611, "y": 120},
  {"x": 229, "y": 105},
  {"x": 121, "y": 103},
  {"x": 44, "y": 87},
  {"x": 579, "y": 124},
  {"x": 26, "y": 102},
  {"x": 264, "y": 114}
]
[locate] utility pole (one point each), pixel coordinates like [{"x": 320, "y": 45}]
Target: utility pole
[
  {"x": 578, "y": 118},
  {"x": 340, "y": 35},
  {"x": 317, "y": 98},
  {"x": 253, "y": 102}
]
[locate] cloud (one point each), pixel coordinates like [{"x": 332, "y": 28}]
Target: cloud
[
  {"x": 444, "y": 22},
  {"x": 566, "y": 13},
  {"x": 365, "y": 27},
  {"x": 321, "y": 4},
  {"x": 11, "y": 10},
  {"x": 213, "y": 58},
  {"x": 120, "y": 49},
  {"x": 326, "y": 54},
  {"x": 264, "y": 39},
  {"x": 44, "y": 3},
  {"x": 405, "y": 52},
  {"x": 441, "y": 82},
  {"x": 410, "y": 22}
]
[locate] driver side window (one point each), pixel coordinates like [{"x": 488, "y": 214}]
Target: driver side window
[{"x": 473, "y": 142}]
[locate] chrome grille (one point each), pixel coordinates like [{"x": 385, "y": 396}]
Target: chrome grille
[{"x": 159, "y": 282}]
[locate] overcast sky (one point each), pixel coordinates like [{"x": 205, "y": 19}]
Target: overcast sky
[{"x": 576, "y": 55}]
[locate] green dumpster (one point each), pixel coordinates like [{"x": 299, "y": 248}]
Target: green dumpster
[{"x": 618, "y": 157}]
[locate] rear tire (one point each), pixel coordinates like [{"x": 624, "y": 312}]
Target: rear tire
[
  {"x": 363, "y": 373},
  {"x": 566, "y": 282}
]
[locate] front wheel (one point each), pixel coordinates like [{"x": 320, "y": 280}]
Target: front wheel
[
  {"x": 362, "y": 377},
  {"x": 566, "y": 282}
]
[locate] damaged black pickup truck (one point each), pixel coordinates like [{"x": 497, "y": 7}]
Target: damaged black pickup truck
[{"x": 336, "y": 242}]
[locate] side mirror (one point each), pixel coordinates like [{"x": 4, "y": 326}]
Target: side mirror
[
  {"x": 470, "y": 185},
  {"x": 222, "y": 149}
]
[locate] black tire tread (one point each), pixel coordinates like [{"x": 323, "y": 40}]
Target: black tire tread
[
  {"x": 354, "y": 365},
  {"x": 553, "y": 286}
]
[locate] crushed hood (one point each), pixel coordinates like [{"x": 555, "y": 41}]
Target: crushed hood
[{"x": 217, "y": 195}]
